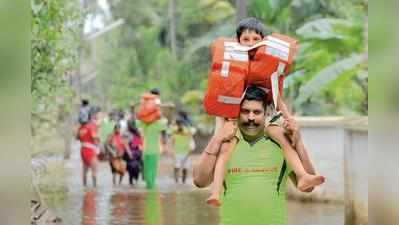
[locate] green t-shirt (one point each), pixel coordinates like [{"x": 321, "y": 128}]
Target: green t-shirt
[
  {"x": 251, "y": 183},
  {"x": 182, "y": 142},
  {"x": 151, "y": 133},
  {"x": 106, "y": 128}
]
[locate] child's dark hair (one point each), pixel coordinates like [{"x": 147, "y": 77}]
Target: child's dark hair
[
  {"x": 251, "y": 24},
  {"x": 254, "y": 93}
]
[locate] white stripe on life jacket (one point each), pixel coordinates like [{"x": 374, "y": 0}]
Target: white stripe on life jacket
[
  {"x": 90, "y": 145},
  {"x": 229, "y": 100},
  {"x": 276, "y": 53},
  {"x": 277, "y": 46},
  {"x": 274, "y": 80},
  {"x": 235, "y": 55},
  {"x": 224, "y": 71},
  {"x": 279, "y": 41}
]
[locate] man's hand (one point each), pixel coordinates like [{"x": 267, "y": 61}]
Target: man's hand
[
  {"x": 291, "y": 126},
  {"x": 228, "y": 130}
]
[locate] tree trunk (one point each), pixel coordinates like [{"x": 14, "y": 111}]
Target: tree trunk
[
  {"x": 241, "y": 10},
  {"x": 172, "y": 27}
]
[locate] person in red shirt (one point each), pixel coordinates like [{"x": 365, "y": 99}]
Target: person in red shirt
[
  {"x": 87, "y": 135},
  {"x": 116, "y": 147}
]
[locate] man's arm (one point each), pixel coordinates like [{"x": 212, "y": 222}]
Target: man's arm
[
  {"x": 296, "y": 141},
  {"x": 289, "y": 122},
  {"x": 282, "y": 107},
  {"x": 304, "y": 156},
  {"x": 204, "y": 168},
  {"x": 305, "y": 159}
]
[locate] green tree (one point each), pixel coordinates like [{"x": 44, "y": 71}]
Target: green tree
[
  {"x": 55, "y": 32},
  {"x": 330, "y": 73}
]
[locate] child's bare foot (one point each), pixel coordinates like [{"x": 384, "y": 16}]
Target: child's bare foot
[
  {"x": 214, "y": 200},
  {"x": 309, "y": 181}
]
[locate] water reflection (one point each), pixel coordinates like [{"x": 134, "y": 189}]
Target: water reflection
[
  {"x": 180, "y": 207},
  {"x": 135, "y": 209},
  {"x": 170, "y": 204},
  {"x": 119, "y": 209},
  {"x": 153, "y": 208},
  {"x": 89, "y": 208}
]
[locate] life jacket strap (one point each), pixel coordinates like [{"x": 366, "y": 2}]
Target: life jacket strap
[
  {"x": 274, "y": 79},
  {"x": 229, "y": 100},
  {"x": 228, "y": 67}
]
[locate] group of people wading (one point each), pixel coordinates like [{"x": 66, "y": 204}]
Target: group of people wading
[{"x": 134, "y": 143}]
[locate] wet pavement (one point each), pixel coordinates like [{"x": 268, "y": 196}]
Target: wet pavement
[{"x": 169, "y": 204}]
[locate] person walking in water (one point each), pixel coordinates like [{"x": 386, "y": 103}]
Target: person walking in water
[
  {"x": 87, "y": 135},
  {"x": 183, "y": 146},
  {"x": 116, "y": 148},
  {"x": 151, "y": 123}
]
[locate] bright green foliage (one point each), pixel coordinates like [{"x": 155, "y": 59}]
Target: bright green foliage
[
  {"x": 137, "y": 56},
  {"x": 330, "y": 73},
  {"x": 329, "y": 76},
  {"x": 56, "y": 28}
]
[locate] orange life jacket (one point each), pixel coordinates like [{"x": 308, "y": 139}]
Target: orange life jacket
[
  {"x": 232, "y": 70},
  {"x": 271, "y": 62},
  {"x": 226, "y": 78},
  {"x": 149, "y": 110}
]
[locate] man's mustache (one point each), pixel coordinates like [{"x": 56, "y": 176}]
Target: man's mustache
[{"x": 250, "y": 123}]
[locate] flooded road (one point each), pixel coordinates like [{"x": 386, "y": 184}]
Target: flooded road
[{"x": 169, "y": 204}]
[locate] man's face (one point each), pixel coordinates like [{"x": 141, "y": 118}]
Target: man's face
[
  {"x": 252, "y": 118},
  {"x": 249, "y": 38}
]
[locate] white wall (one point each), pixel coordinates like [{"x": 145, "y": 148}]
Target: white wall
[
  {"x": 356, "y": 176},
  {"x": 325, "y": 141}
]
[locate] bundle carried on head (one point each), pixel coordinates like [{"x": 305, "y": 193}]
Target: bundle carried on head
[
  {"x": 149, "y": 109},
  {"x": 232, "y": 70}
]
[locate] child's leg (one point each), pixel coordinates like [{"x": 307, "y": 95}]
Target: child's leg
[
  {"x": 305, "y": 180},
  {"x": 220, "y": 169},
  {"x": 220, "y": 164},
  {"x": 203, "y": 169}
]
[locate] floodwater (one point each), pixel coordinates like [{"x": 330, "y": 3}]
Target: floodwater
[{"x": 169, "y": 204}]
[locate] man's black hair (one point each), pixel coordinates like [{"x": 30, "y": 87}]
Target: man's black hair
[
  {"x": 85, "y": 102},
  {"x": 184, "y": 117},
  {"x": 251, "y": 24},
  {"x": 180, "y": 124},
  {"x": 254, "y": 93},
  {"x": 155, "y": 91}
]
